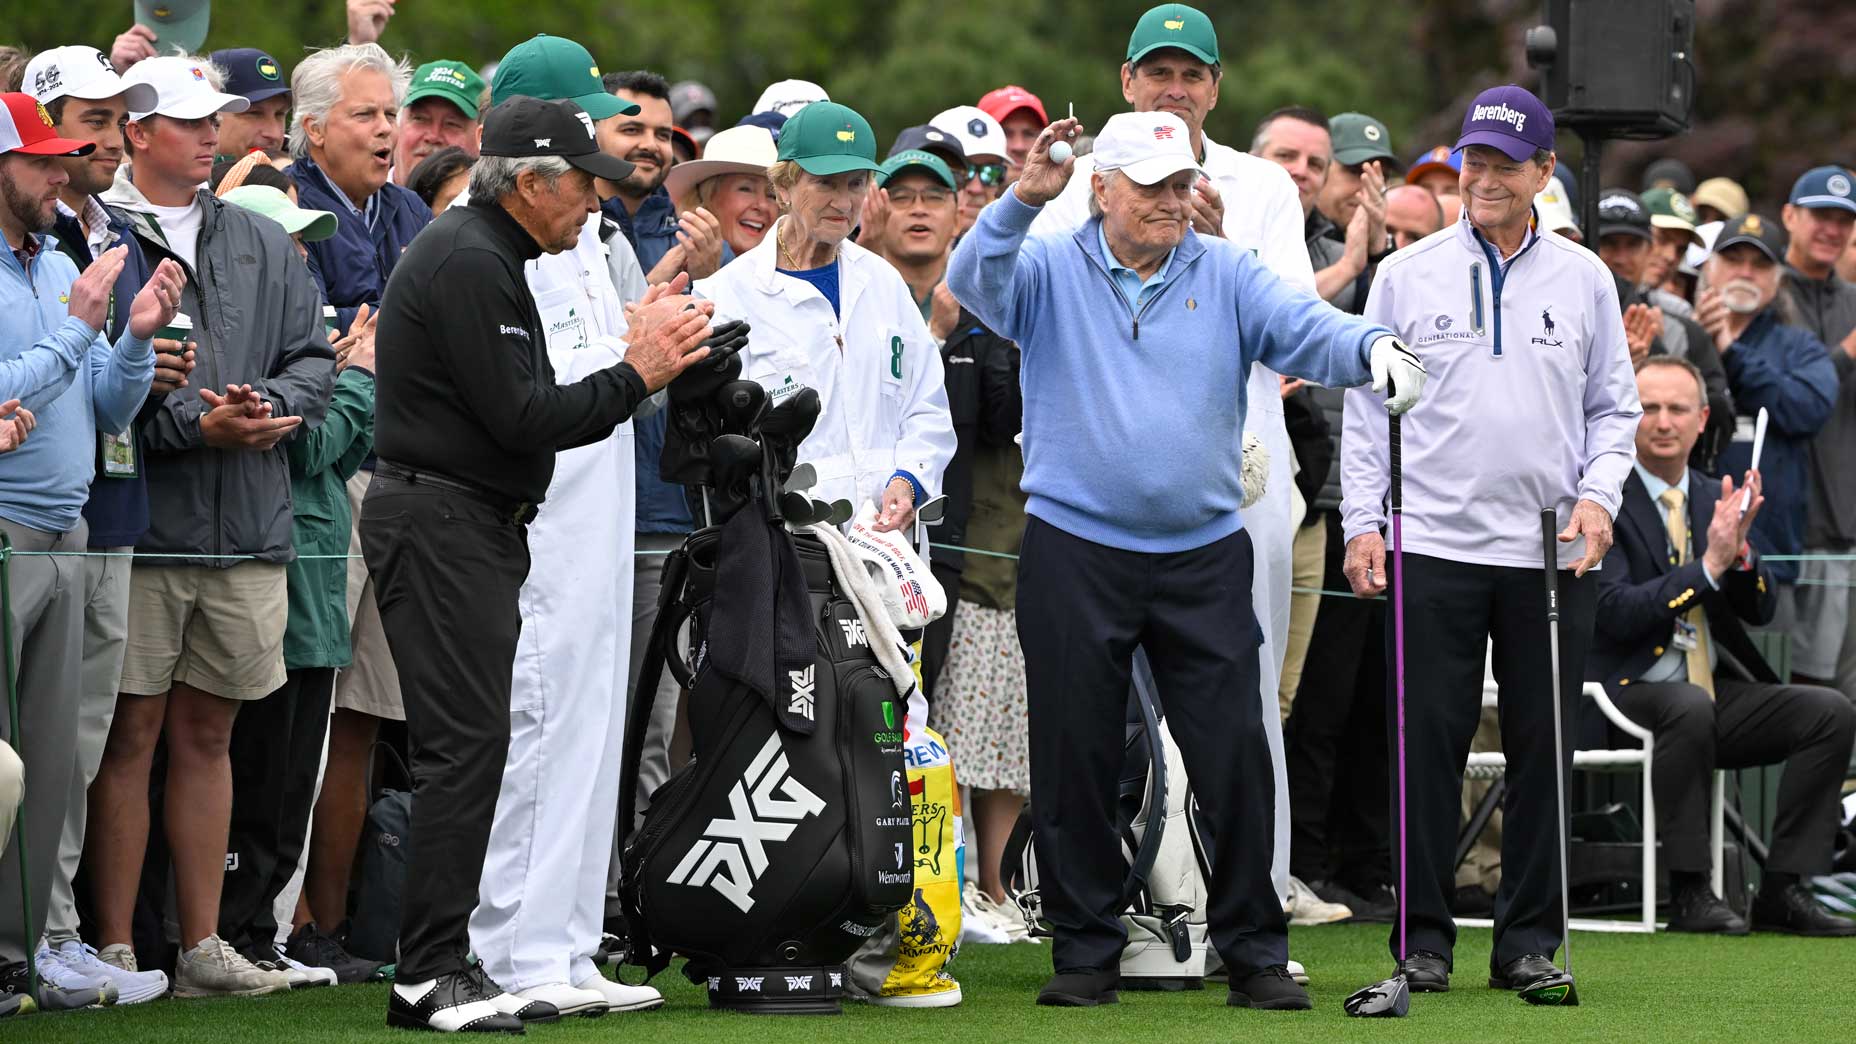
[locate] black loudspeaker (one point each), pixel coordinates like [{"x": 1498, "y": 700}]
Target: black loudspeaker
[{"x": 1623, "y": 68}]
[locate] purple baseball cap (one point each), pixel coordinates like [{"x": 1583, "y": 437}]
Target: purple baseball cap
[{"x": 1509, "y": 119}]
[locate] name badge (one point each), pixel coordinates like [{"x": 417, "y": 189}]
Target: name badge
[
  {"x": 1685, "y": 637},
  {"x": 116, "y": 454}
]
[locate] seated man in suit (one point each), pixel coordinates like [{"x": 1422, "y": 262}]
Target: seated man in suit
[{"x": 1671, "y": 649}]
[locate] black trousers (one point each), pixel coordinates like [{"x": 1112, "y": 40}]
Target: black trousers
[
  {"x": 276, "y": 752},
  {"x": 1807, "y": 727},
  {"x": 446, "y": 570},
  {"x": 939, "y": 634},
  {"x": 1082, "y": 610},
  {"x": 1334, "y": 742},
  {"x": 1453, "y": 610}
]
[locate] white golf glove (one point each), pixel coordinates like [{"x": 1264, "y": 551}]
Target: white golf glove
[{"x": 1392, "y": 361}]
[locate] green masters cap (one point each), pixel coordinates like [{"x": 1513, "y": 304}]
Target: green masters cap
[
  {"x": 1671, "y": 209},
  {"x": 272, "y": 203},
  {"x": 928, "y": 161},
  {"x": 1174, "y": 25},
  {"x": 826, "y": 138},
  {"x": 455, "y": 82},
  {"x": 179, "y": 25},
  {"x": 1359, "y": 138},
  {"x": 552, "y": 68}
]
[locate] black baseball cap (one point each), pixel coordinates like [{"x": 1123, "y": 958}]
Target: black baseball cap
[
  {"x": 251, "y": 74},
  {"x": 523, "y": 127},
  {"x": 1621, "y": 213},
  {"x": 927, "y": 139},
  {"x": 1767, "y": 236}
]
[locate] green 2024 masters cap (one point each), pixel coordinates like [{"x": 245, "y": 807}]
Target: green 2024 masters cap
[
  {"x": 455, "y": 82},
  {"x": 551, "y": 68},
  {"x": 1174, "y": 25},
  {"x": 826, "y": 138}
]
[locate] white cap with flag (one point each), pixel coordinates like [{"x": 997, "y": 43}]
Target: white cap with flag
[
  {"x": 183, "y": 90},
  {"x": 1146, "y": 146}
]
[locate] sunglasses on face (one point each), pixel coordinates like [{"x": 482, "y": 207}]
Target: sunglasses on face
[{"x": 990, "y": 174}]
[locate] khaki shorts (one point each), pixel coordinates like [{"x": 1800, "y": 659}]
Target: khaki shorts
[
  {"x": 371, "y": 684},
  {"x": 218, "y": 630}
]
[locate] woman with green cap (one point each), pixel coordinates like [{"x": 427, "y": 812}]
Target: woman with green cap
[{"x": 830, "y": 315}]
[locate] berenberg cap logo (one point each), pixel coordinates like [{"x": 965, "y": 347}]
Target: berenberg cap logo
[{"x": 1502, "y": 114}]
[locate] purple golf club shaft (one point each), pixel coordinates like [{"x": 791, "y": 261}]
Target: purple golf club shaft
[{"x": 1398, "y": 661}]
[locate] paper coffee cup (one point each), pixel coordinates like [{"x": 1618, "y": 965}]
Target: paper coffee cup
[{"x": 331, "y": 322}]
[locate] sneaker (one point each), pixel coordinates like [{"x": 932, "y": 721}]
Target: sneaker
[
  {"x": 1698, "y": 909},
  {"x": 48, "y": 997},
  {"x": 1271, "y": 989},
  {"x": 1363, "y": 910},
  {"x": 132, "y": 986},
  {"x": 623, "y": 996},
  {"x": 942, "y": 992},
  {"x": 68, "y": 975},
  {"x": 1005, "y": 916},
  {"x": 976, "y": 923},
  {"x": 1305, "y": 907},
  {"x": 457, "y": 1002},
  {"x": 308, "y": 945},
  {"x": 120, "y": 956},
  {"x": 215, "y": 969},
  {"x": 12, "y": 1004},
  {"x": 315, "y": 976}
]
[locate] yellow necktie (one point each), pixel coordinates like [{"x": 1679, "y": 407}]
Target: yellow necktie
[{"x": 1699, "y": 671}]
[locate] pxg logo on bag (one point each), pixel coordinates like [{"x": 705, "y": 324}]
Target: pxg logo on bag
[{"x": 766, "y": 805}]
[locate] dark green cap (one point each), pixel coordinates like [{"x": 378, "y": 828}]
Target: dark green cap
[
  {"x": 928, "y": 161},
  {"x": 1359, "y": 138},
  {"x": 552, "y": 68},
  {"x": 826, "y": 138},
  {"x": 1174, "y": 25},
  {"x": 1670, "y": 209},
  {"x": 455, "y": 82}
]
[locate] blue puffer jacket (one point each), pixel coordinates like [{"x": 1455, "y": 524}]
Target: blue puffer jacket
[
  {"x": 117, "y": 511},
  {"x": 351, "y": 267}
]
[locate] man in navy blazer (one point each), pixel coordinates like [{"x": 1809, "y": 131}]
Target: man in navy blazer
[{"x": 1677, "y": 588}]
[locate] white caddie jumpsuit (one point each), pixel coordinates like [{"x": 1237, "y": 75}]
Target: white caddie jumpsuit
[
  {"x": 541, "y": 902},
  {"x": 876, "y": 368},
  {"x": 1263, "y": 214}
]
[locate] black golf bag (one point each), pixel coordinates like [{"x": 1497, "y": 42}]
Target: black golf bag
[
  {"x": 1163, "y": 899},
  {"x": 784, "y": 842}
]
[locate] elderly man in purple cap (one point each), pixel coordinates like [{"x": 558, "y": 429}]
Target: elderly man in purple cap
[{"x": 1522, "y": 333}]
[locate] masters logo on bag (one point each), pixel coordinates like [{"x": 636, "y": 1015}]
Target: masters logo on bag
[{"x": 732, "y": 852}]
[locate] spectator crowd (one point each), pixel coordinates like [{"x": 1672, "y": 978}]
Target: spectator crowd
[{"x": 200, "y": 243}]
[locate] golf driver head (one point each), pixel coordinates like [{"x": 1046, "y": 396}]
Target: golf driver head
[
  {"x": 1390, "y": 999},
  {"x": 1556, "y": 990}
]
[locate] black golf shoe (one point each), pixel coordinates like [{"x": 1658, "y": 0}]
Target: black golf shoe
[
  {"x": 1426, "y": 971},
  {"x": 1271, "y": 989},
  {"x": 1522, "y": 972},
  {"x": 1700, "y": 910},
  {"x": 1081, "y": 988},
  {"x": 1793, "y": 910}
]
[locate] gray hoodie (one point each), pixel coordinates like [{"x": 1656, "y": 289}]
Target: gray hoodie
[{"x": 257, "y": 320}]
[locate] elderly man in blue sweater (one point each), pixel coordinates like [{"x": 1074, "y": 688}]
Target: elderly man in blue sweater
[
  {"x": 55, "y": 361},
  {"x": 1137, "y": 336}
]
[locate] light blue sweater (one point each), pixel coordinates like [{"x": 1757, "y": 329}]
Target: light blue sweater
[
  {"x": 74, "y": 382},
  {"x": 1134, "y": 420}
]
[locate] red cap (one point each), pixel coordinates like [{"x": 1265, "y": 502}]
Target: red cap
[
  {"x": 1009, "y": 99},
  {"x": 26, "y": 127}
]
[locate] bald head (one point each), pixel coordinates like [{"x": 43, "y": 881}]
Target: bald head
[{"x": 1411, "y": 214}]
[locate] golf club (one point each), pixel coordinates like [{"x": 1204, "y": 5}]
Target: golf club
[
  {"x": 803, "y": 477},
  {"x": 1556, "y": 989},
  {"x": 841, "y": 512},
  {"x": 1391, "y": 998}
]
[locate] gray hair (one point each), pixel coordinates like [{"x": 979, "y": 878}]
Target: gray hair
[
  {"x": 1108, "y": 178},
  {"x": 494, "y": 177},
  {"x": 316, "y": 85}
]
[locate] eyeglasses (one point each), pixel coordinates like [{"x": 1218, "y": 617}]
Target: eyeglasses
[
  {"x": 990, "y": 174},
  {"x": 905, "y": 198}
]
